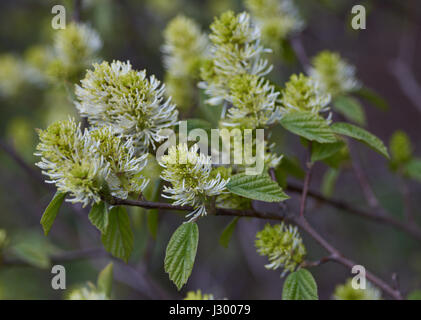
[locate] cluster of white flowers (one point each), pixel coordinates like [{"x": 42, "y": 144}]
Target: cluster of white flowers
[
  {"x": 276, "y": 18},
  {"x": 304, "y": 93},
  {"x": 74, "y": 49},
  {"x": 235, "y": 50},
  {"x": 334, "y": 74},
  {"x": 90, "y": 165},
  {"x": 88, "y": 292},
  {"x": 184, "y": 49},
  {"x": 283, "y": 246},
  {"x": 191, "y": 177},
  {"x": 132, "y": 105}
]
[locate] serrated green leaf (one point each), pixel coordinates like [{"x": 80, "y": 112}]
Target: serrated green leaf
[
  {"x": 321, "y": 151},
  {"x": 350, "y": 108},
  {"x": 372, "y": 97},
  {"x": 308, "y": 125},
  {"x": 105, "y": 280},
  {"x": 118, "y": 238},
  {"x": 181, "y": 252},
  {"x": 256, "y": 187},
  {"x": 99, "y": 216},
  {"x": 300, "y": 285},
  {"x": 51, "y": 212},
  {"x": 227, "y": 233},
  {"x": 328, "y": 181},
  {"x": 413, "y": 169},
  {"x": 360, "y": 134}
]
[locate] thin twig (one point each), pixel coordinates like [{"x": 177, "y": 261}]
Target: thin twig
[
  {"x": 410, "y": 229},
  {"x": 300, "y": 52},
  {"x": 336, "y": 256},
  {"x": 280, "y": 216}
]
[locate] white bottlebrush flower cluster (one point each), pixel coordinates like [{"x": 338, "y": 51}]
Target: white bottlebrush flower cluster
[
  {"x": 303, "y": 93},
  {"x": 236, "y": 67},
  {"x": 234, "y": 76},
  {"x": 91, "y": 165},
  {"x": 334, "y": 74},
  {"x": 276, "y": 19},
  {"x": 347, "y": 292},
  {"x": 192, "y": 178},
  {"x": 132, "y": 105},
  {"x": 184, "y": 49},
  {"x": 283, "y": 246},
  {"x": 74, "y": 49},
  {"x": 88, "y": 292}
]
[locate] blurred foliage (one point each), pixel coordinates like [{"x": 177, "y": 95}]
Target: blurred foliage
[{"x": 133, "y": 30}]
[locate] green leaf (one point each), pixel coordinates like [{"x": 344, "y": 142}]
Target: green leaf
[
  {"x": 32, "y": 255},
  {"x": 308, "y": 125},
  {"x": 99, "y": 216},
  {"x": 118, "y": 238},
  {"x": 372, "y": 97},
  {"x": 350, "y": 108},
  {"x": 300, "y": 285},
  {"x": 321, "y": 151},
  {"x": 362, "y": 135},
  {"x": 105, "y": 280},
  {"x": 400, "y": 148},
  {"x": 181, "y": 252},
  {"x": 32, "y": 248},
  {"x": 328, "y": 182},
  {"x": 227, "y": 233},
  {"x": 256, "y": 187},
  {"x": 51, "y": 212},
  {"x": 413, "y": 169}
]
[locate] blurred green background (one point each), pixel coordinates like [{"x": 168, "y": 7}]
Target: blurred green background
[{"x": 132, "y": 30}]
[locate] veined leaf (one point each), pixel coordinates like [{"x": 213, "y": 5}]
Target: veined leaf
[
  {"x": 360, "y": 134},
  {"x": 350, "y": 108},
  {"x": 300, "y": 285},
  {"x": 105, "y": 280},
  {"x": 118, "y": 238},
  {"x": 256, "y": 187},
  {"x": 321, "y": 151},
  {"x": 99, "y": 216},
  {"x": 227, "y": 233},
  {"x": 308, "y": 125},
  {"x": 51, "y": 212},
  {"x": 181, "y": 252}
]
